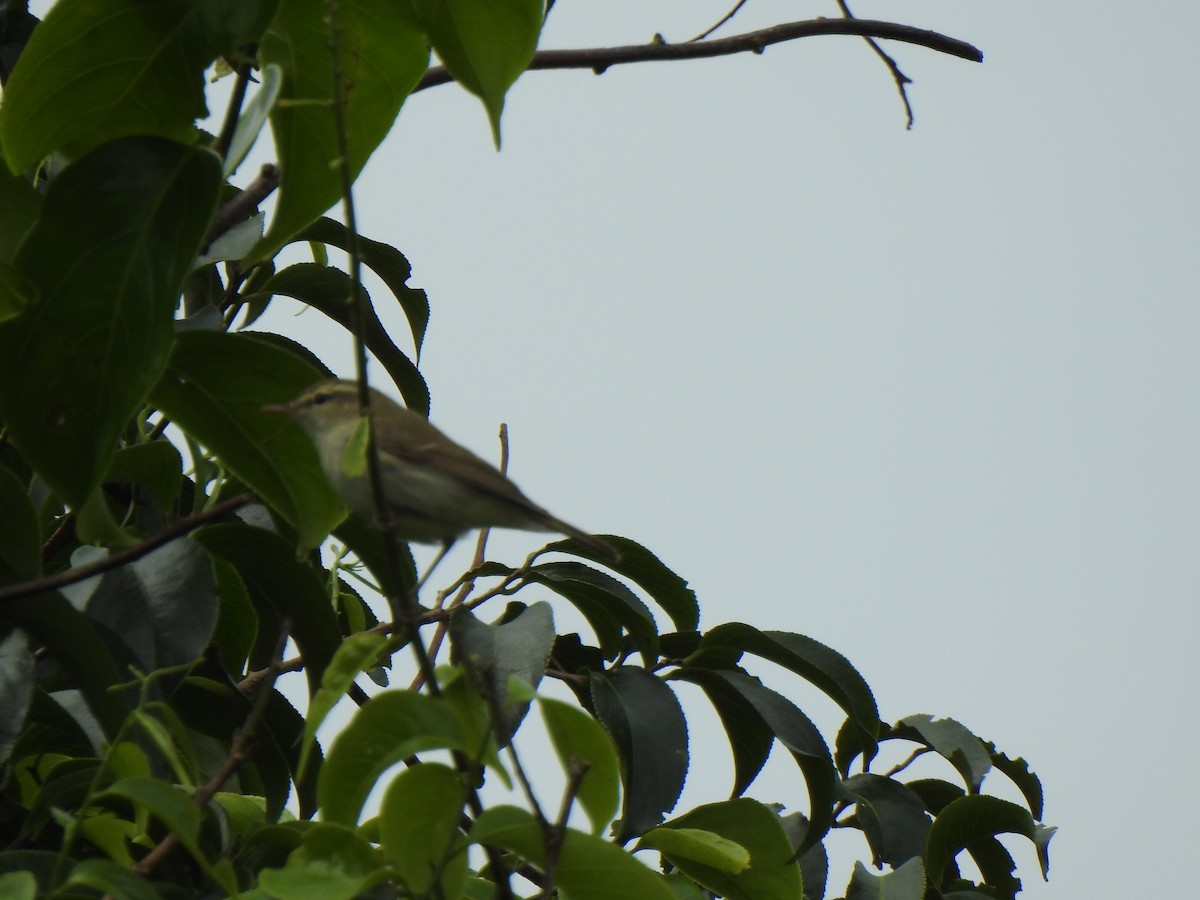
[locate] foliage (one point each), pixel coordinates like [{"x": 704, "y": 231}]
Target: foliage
[{"x": 146, "y": 749}]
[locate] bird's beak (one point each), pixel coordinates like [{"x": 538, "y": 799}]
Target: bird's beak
[{"x": 283, "y": 409}]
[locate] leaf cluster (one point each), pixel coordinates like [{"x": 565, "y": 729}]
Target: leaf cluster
[{"x": 161, "y": 561}]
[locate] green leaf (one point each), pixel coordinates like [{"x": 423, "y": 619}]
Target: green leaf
[
  {"x": 587, "y": 867},
  {"x": 419, "y": 829},
  {"x": 357, "y": 653},
  {"x": 354, "y": 460},
  {"x": 175, "y": 809},
  {"x": 485, "y": 46},
  {"x": 215, "y": 388},
  {"x": 254, "y": 116},
  {"x": 645, "y": 721},
  {"x": 383, "y": 54},
  {"x": 704, "y": 847},
  {"x": 891, "y": 816},
  {"x": 117, "y": 235},
  {"x": 905, "y": 883},
  {"x": 601, "y": 598},
  {"x": 812, "y": 660},
  {"x": 385, "y": 261},
  {"x": 1019, "y": 773},
  {"x": 519, "y": 647},
  {"x": 278, "y": 583},
  {"x": 793, "y": 729},
  {"x": 20, "y": 537},
  {"x": 332, "y": 863},
  {"x": 16, "y": 292},
  {"x": 389, "y": 728},
  {"x": 967, "y": 753},
  {"x": 101, "y": 70},
  {"x": 772, "y": 874},
  {"x": 977, "y": 816},
  {"x": 114, "y": 880},
  {"x": 21, "y": 205},
  {"x": 579, "y": 739},
  {"x": 17, "y": 884},
  {"x": 328, "y": 290}
]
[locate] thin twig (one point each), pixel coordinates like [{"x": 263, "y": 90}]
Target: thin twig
[
  {"x": 406, "y": 605},
  {"x": 238, "y": 751},
  {"x": 598, "y": 59},
  {"x": 123, "y": 557},
  {"x": 244, "y": 205},
  {"x": 576, "y": 770},
  {"x": 899, "y": 77},
  {"x": 236, "y": 98},
  {"x": 725, "y": 18}
]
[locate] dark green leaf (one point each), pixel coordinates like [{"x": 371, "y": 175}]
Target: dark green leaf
[
  {"x": 114, "y": 880},
  {"x": 485, "y": 46},
  {"x": 17, "y": 292},
  {"x": 1019, "y": 773},
  {"x": 996, "y": 865},
  {"x": 107, "y": 69},
  {"x": 905, "y": 883},
  {"x": 935, "y": 793},
  {"x": 812, "y": 660},
  {"x": 117, "y": 235},
  {"x": 328, "y": 290},
  {"x": 332, "y": 863},
  {"x": 388, "y": 263},
  {"x": 21, "y": 204},
  {"x": 278, "y": 582},
  {"x": 891, "y": 816},
  {"x": 970, "y": 818},
  {"x": 497, "y": 652},
  {"x": 20, "y": 538},
  {"x": 646, "y": 570},
  {"x": 215, "y": 388},
  {"x": 952, "y": 741},
  {"x": 787, "y": 723},
  {"x": 156, "y": 466},
  {"x": 602, "y": 599},
  {"x": 383, "y": 53},
  {"x": 645, "y": 721}
]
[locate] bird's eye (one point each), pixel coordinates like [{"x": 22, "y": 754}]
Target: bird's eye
[{"x": 319, "y": 399}]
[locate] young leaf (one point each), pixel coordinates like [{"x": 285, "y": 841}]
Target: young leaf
[
  {"x": 579, "y": 739},
  {"x": 419, "y": 829},
  {"x": 905, "y": 883}
]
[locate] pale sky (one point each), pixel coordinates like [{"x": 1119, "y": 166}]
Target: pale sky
[{"x": 928, "y": 397}]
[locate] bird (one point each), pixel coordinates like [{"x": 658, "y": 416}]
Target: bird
[{"x": 436, "y": 489}]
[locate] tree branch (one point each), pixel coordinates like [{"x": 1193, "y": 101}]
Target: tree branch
[
  {"x": 122, "y": 557},
  {"x": 598, "y": 59}
]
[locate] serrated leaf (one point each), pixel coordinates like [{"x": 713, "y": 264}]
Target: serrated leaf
[
  {"x": 97, "y": 71},
  {"x": 1019, "y": 773},
  {"x": 790, "y": 726},
  {"x": 127, "y": 218},
  {"x": 327, "y": 290},
  {"x": 704, "y": 847},
  {"x": 905, "y": 883},
  {"x": 254, "y": 116},
  {"x": 382, "y": 53},
  {"x": 644, "y": 719},
  {"x": 953, "y": 741},
  {"x": 891, "y": 816},
  {"x": 388, "y": 263},
  {"x": 977, "y": 816},
  {"x": 602, "y": 599},
  {"x": 356, "y": 653}
]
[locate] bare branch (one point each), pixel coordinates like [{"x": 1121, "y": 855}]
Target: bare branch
[
  {"x": 598, "y": 59},
  {"x": 122, "y": 557},
  {"x": 899, "y": 77}
]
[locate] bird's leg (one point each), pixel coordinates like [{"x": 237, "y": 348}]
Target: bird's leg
[{"x": 446, "y": 545}]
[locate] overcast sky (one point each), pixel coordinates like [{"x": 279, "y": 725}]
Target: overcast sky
[{"x": 927, "y": 396}]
